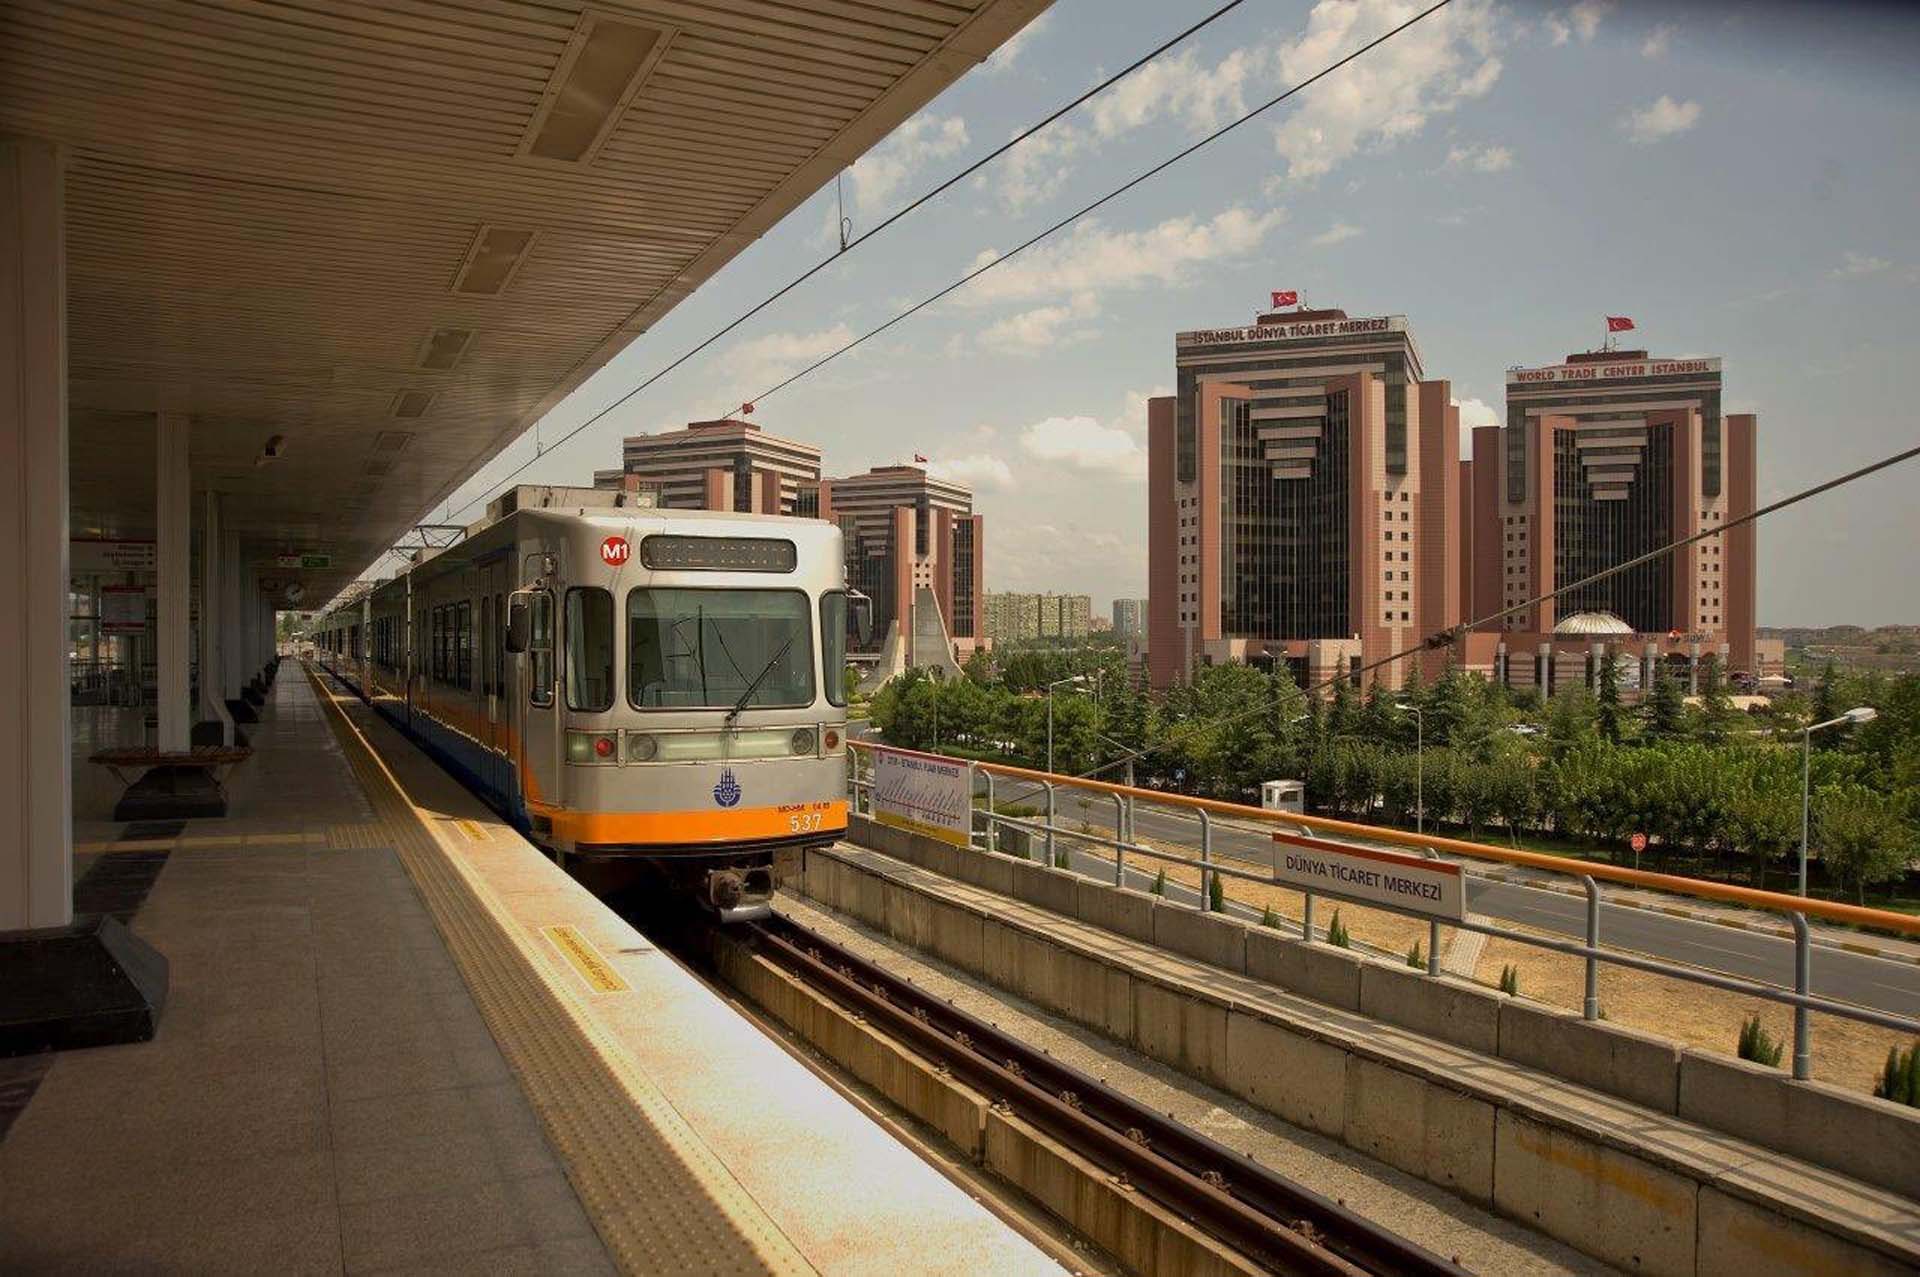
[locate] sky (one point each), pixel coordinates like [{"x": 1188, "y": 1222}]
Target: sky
[{"x": 1740, "y": 180}]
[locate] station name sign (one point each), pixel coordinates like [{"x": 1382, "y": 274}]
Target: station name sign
[
  {"x": 1291, "y": 332},
  {"x": 1367, "y": 875},
  {"x": 1561, "y": 373}
]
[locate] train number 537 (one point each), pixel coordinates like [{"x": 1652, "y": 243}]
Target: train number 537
[{"x": 804, "y": 823}]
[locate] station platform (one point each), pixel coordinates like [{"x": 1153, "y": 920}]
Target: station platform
[{"x": 399, "y": 1038}]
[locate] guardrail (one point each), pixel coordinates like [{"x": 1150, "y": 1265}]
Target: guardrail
[{"x": 1123, "y": 843}]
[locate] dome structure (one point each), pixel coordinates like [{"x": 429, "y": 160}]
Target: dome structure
[{"x": 1592, "y": 624}]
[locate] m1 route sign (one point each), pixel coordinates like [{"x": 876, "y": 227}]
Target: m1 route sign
[
  {"x": 1371, "y": 876},
  {"x": 614, "y": 551}
]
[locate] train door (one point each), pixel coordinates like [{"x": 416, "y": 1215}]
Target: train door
[
  {"x": 491, "y": 680},
  {"x": 539, "y": 757}
]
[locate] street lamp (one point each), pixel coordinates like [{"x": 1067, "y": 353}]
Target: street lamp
[
  {"x": 1861, "y": 714},
  {"x": 1419, "y": 766},
  {"x": 1077, "y": 679}
]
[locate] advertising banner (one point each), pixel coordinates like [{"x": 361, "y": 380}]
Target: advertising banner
[
  {"x": 924, "y": 793},
  {"x": 123, "y": 609},
  {"x": 1368, "y": 875}
]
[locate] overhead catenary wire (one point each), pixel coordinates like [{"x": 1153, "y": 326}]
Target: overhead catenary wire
[
  {"x": 1441, "y": 639},
  {"x": 1111, "y": 195},
  {"x": 847, "y": 244}
]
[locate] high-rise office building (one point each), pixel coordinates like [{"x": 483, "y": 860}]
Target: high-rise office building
[
  {"x": 1302, "y": 498},
  {"x": 906, "y": 532},
  {"x": 720, "y": 465},
  {"x": 1014, "y": 618},
  {"x": 1129, "y": 617},
  {"x": 1604, "y": 457}
]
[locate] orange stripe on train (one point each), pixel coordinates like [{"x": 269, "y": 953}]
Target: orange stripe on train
[{"x": 671, "y": 827}]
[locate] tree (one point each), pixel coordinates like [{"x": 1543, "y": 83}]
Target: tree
[
  {"x": 1862, "y": 837},
  {"x": 1666, "y": 707},
  {"x": 1718, "y": 718},
  {"x": 1612, "y": 713},
  {"x": 1826, "y": 701}
]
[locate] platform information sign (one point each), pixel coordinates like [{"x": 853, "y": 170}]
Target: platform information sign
[
  {"x": 123, "y": 609},
  {"x": 924, "y": 793},
  {"x": 1368, "y": 875}
]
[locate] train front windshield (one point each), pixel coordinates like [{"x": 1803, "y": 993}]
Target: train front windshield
[{"x": 703, "y": 649}]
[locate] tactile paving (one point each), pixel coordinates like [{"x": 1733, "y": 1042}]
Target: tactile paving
[{"x": 661, "y": 1200}]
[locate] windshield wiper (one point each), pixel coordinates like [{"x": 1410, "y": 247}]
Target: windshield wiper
[{"x": 765, "y": 670}]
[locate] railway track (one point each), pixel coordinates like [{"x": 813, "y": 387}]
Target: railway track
[{"x": 1281, "y": 1225}]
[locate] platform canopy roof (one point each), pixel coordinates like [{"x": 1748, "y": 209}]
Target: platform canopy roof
[{"x": 395, "y": 232}]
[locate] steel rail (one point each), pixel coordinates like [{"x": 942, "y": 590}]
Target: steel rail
[{"x": 1282, "y": 1225}]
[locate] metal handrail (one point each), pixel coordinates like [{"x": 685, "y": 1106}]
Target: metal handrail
[
  {"x": 1800, "y": 998},
  {"x": 1752, "y": 897}
]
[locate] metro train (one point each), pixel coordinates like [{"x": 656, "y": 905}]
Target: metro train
[{"x": 685, "y": 746}]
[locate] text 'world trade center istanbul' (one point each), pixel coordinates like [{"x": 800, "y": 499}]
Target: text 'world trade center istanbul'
[{"x": 1308, "y": 506}]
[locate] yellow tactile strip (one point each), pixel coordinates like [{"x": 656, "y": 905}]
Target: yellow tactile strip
[{"x": 660, "y": 1198}]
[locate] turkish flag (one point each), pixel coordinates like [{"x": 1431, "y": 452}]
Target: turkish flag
[
  {"x": 918, "y": 457},
  {"x": 746, "y": 410},
  {"x": 1290, "y": 297},
  {"x": 1618, "y": 323}
]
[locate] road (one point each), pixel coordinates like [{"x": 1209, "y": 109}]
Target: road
[{"x": 1847, "y": 977}]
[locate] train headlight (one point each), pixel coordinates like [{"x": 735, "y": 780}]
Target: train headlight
[
  {"x": 804, "y": 741},
  {"x": 591, "y": 747},
  {"x": 642, "y": 748}
]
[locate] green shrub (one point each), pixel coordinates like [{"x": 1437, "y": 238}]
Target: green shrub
[
  {"x": 1269, "y": 918},
  {"x": 1758, "y": 1045},
  {"x": 1216, "y": 894},
  {"x": 1900, "y": 1079},
  {"x": 1337, "y": 932},
  {"x": 1159, "y": 887},
  {"x": 1510, "y": 980},
  {"x": 1416, "y": 959},
  {"x": 1061, "y": 860}
]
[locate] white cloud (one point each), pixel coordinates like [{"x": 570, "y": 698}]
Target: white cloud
[
  {"x": 1093, "y": 259},
  {"x": 1032, "y": 332},
  {"x": 1855, "y": 265},
  {"x": 1475, "y": 413},
  {"x": 1664, "y": 119},
  {"x": 752, "y": 366},
  {"x": 981, "y": 471},
  {"x": 1479, "y": 158},
  {"x": 879, "y": 176},
  {"x": 1202, "y": 97},
  {"x": 1034, "y": 170},
  {"x": 1582, "y": 20},
  {"x": 1658, "y": 41},
  {"x": 1085, "y": 444},
  {"x": 1003, "y": 58},
  {"x": 1338, "y": 233},
  {"x": 1426, "y": 70}
]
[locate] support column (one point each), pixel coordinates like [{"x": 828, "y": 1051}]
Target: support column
[
  {"x": 64, "y": 981},
  {"x": 173, "y": 529},
  {"x": 213, "y": 706},
  {"x": 36, "y": 779},
  {"x": 235, "y": 627}
]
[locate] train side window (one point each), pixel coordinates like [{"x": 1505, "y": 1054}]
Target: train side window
[
  {"x": 483, "y": 635},
  {"x": 589, "y": 649},
  {"x": 540, "y": 649},
  {"x": 463, "y": 646},
  {"x": 833, "y": 645}
]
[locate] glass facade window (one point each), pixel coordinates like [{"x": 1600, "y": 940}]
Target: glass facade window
[
  {"x": 1590, "y": 536},
  {"x": 964, "y": 586},
  {"x": 1284, "y": 557}
]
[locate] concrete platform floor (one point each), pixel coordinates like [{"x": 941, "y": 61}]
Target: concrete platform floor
[{"x": 322, "y": 1095}]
